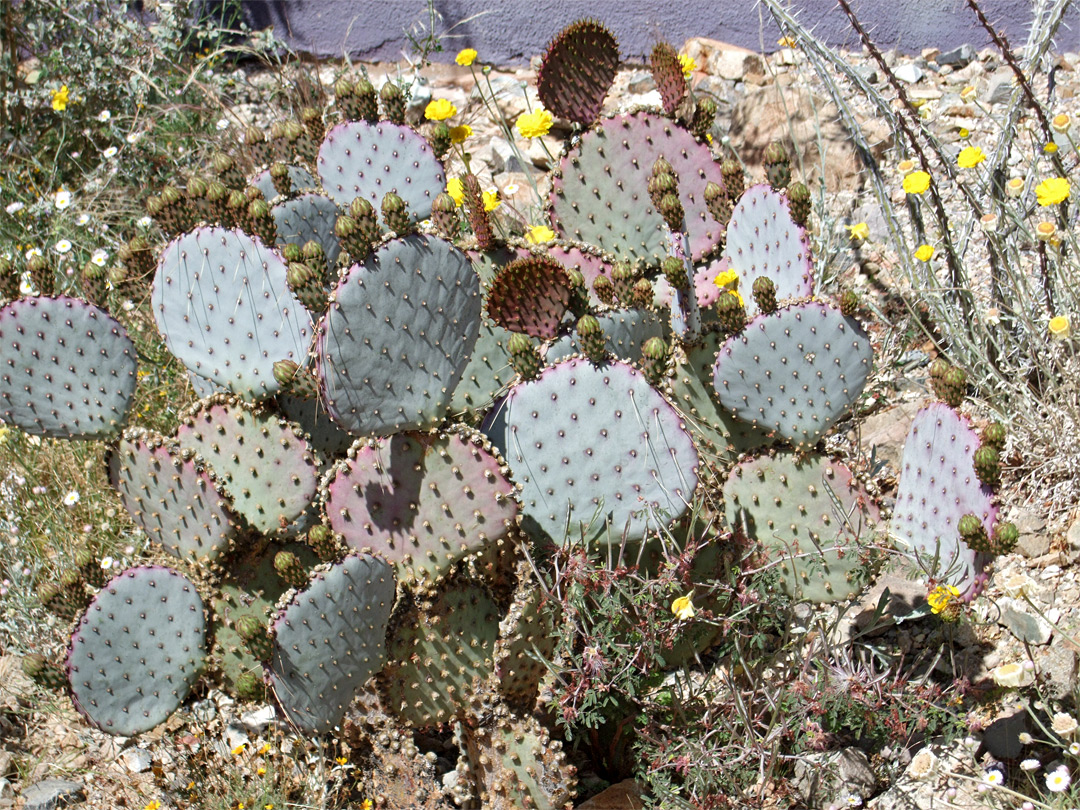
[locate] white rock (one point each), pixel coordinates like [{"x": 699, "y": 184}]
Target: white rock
[
  {"x": 136, "y": 760},
  {"x": 908, "y": 73},
  {"x": 257, "y": 721},
  {"x": 235, "y": 735}
]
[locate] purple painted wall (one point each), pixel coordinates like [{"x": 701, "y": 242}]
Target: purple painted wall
[{"x": 511, "y": 31}]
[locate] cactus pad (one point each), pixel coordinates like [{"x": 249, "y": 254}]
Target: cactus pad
[
  {"x": 421, "y": 501},
  {"x": 600, "y": 196},
  {"x": 577, "y": 70},
  {"x": 626, "y": 331},
  {"x": 530, "y": 295},
  {"x": 173, "y": 499},
  {"x": 797, "y": 371},
  {"x": 763, "y": 240},
  {"x": 137, "y": 650},
  {"x": 358, "y": 159},
  {"x": 487, "y": 374},
  {"x": 595, "y": 448},
  {"x": 329, "y": 640},
  {"x": 67, "y": 369},
  {"x": 937, "y": 487},
  {"x": 397, "y": 336},
  {"x": 306, "y": 218},
  {"x": 260, "y": 460},
  {"x": 299, "y": 177},
  {"x": 221, "y": 303},
  {"x": 813, "y": 518}
]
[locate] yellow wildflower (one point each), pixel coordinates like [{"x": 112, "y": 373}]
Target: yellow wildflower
[
  {"x": 683, "y": 608},
  {"x": 456, "y": 189},
  {"x": 916, "y": 183},
  {"x": 439, "y": 110},
  {"x": 459, "y": 134},
  {"x": 924, "y": 253},
  {"x": 366, "y": 804},
  {"x": 1061, "y": 123},
  {"x": 341, "y": 760},
  {"x": 970, "y": 157},
  {"x": 968, "y": 93},
  {"x": 265, "y": 749},
  {"x": 1052, "y": 191},
  {"x": 491, "y": 200},
  {"x": 260, "y": 771},
  {"x": 859, "y": 231},
  {"x": 786, "y": 42},
  {"x": 154, "y": 805},
  {"x": 239, "y": 749},
  {"x": 465, "y": 57},
  {"x": 536, "y": 123},
  {"x": 1045, "y": 231},
  {"x": 905, "y": 167},
  {"x": 941, "y": 596},
  {"x": 687, "y": 64},
  {"x": 964, "y": 132},
  {"x": 1050, "y": 148},
  {"x": 538, "y": 234},
  {"x": 1059, "y": 327},
  {"x": 727, "y": 279},
  {"x": 60, "y": 99}
]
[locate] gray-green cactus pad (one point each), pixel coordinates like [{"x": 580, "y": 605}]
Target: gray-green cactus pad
[
  {"x": 397, "y": 336},
  {"x": 222, "y": 304},
  {"x": 600, "y": 197},
  {"x": 597, "y": 451},
  {"x": 298, "y": 176},
  {"x": 67, "y": 369},
  {"x": 421, "y": 501},
  {"x": 173, "y": 499},
  {"x": 330, "y": 639},
  {"x": 624, "y": 329},
  {"x": 487, "y": 374},
  {"x": 937, "y": 487},
  {"x": 137, "y": 650},
  {"x": 325, "y": 437},
  {"x": 796, "y": 371},
  {"x": 358, "y": 159},
  {"x": 763, "y": 240},
  {"x": 812, "y": 516},
  {"x": 308, "y": 217},
  {"x": 260, "y": 460}
]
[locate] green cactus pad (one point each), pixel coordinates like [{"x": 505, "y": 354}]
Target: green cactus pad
[
  {"x": 299, "y": 177},
  {"x": 577, "y": 70},
  {"x": 137, "y": 650},
  {"x": 263, "y": 462},
  {"x": 329, "y": 640},
  {"x": 173, "y": 499},
  {"x": 487, "y": 374},
  {"x": 626, "y": 331},
  {"x": 421, "y": 501},
  {"x": 358, "y": 159},
  {"x": 814, "y": 519},
  {"x": 526, "y": 640},
  {"x": 222, "y": 304},
  {"x": 67, "y": 369},
  {"x": 764, "y": 240},
  {"x": 324, "y": 436},
  {"x": 585, "y": 259},
  {"x": 438, "y": 654},
  {"x": 595, "y": 448},
  {"x": 796, "y": 372},
  {"x": 937, "y": 487},
  {"x": 599, "y": 196},
  {"x": 306, "y": 218},
  {"x": 397, "y": 336}
]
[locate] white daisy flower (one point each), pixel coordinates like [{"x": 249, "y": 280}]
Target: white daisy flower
[
  {"x": 994, "y": 777},
  {"x": 15, "y": 206},
  {"x": 1029, "y": 765},
  {"x": 62, "y": 199},
  {"x": 63, "y": 246},
  {"x": 223, "y": 123},
  {"x": 1058, "y": 779},
  {"x": 144, "y": 222},
  {"x": 83, "y": 220},
  {"x": 510, "y": 189},
  {"x": 71, "y": 498},
  {"x": 32, "y": 252},
  {"x": 133, "y": 137},
  {"x": 104, "y": 116},
  {"x": 25, "y": 287},
  {"x": 110, "y": 152},
  {"x": 106, "y": 563},
  {"x": 99, "y": 257}
]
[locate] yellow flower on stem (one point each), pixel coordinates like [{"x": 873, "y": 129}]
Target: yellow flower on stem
[
  {"x": 1045, "y": 231},
  {"x": 727, "y": 280},
  {"x": 1014, "y": 187},
  {"x": 786, "y": 42},
  {"x": 154, "y": 805},
  {"x": 456, "y": 189},
  {"x": 683, "y": 608},
  {"x": 239, "y": 749},
  {"x": 60, "y": 99},
  {"x": 536, "y": 123},
  {"x": 366, "y": 804},
  {"x": 860, "y": 231},
  {"x": 538, "y": 234},
  {"x": 1052, "y": 191},
  {"x": 1059, "y": 327},
  {"x": 970, "y": 157},
  {"x": 465, "y": 57},
  {"x": 687, "y": 64},
  {"x": 964, "y": 132},
  {"x": 968, "y": 93},
  {"x": 1061, "y": 123},
  {"x": 1050, "y": 148},
  {"x": 341, "y": 760},
  {"x": 491, "y": 200},
  {"x": 916, "y": 183},
  {"x": 924, "y": 253},
  {"x": 439, "y": 110},
  {"x": 941, "y": 596},
  {"x": 460, "y": 134}
]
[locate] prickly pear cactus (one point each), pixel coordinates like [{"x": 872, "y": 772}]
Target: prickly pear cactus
[
  {"x": 796, "y": 372},
  {"x": 764, "y": 240},
  {"x": 67, "y": 370},
  {"x": 260, "y": 460},
  {"x": 937, "y": 487},
  {"x": 222, "y": 304},
  {"x": 137, "y": 650},
  {"x": 299, "y": 177},
  {"x": 421, "y": 501},
  {"x": 599, "y": 197},
  {"x": 486, "y": 376},
  {"x": 813, "y": 518},
  {"x": 611, "y": 458},
  {"x": 530, "y": 295},
  {"x": 358, "y": 159},
  {"x": 397, "y": 336},
  {"x": 626, "y": 331},
  {"x": 577, "y": 70},
  {"x": 329, "y": 639},
  {"x": 174, "y": 499},
  {"x": 309, "y": 217}
]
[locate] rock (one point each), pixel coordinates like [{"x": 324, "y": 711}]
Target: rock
[
  {"x": 999, "y": 87},
  {"x": 259, "y": 720},
  {"x": 541, "y": 158},
  {"x": 775, "y": 112},
  {"x": 1002, "y": 737},
  {"x": 885, "y": 432},
  {"x": 905, "y": 596},
  {"x": 1058, "y": 666},
  {"x": 624, "y": 795},
  {"x": 726, "y": 61},
  {"x": 1033, "y": 545},
  {"x": 52, "y": 793},
  {"x": 1072, "y": 537},
  {"x": 957, "y": 57},
  {"x": 502, "y": 157},
  {"x": 1024, "y": 626},
  {"x": 6, "y": 790},
  {"x": 834, "y": 777},
  {"x": 909, "y": 73},
  {"x": 912, "y": 792},
  {"x": 136, "y": 760},
  {"x": 868, "y": 73},
  {"x": 235, "y": 735},
  {"x": 640, "y": 81}
]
